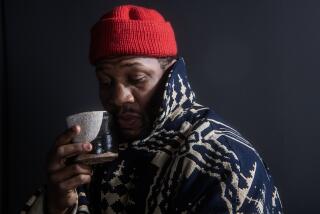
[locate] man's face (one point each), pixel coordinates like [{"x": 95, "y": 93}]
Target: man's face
[{"x": 128, "y": 87}]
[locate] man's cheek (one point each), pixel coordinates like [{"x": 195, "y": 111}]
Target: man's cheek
[
  {"x": 146, "y": 123},
  {"x": 105, "y": 101},
  {"x": 109, "y": 107}
]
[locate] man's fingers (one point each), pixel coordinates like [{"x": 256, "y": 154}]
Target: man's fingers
[
  {"x": 70, "y": 171},
  {"x": 67, "y": 135},
  {"x": 74, "y": 182},
  {"x": 65, "y": 151},
  {"x": 70, "y": 150}
]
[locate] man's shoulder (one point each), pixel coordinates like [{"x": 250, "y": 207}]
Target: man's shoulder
[
  {"x": 208, "y": 135},
  {"x": 206, "y": 124},
  {"x": 212, "y": 152},
  {"x": 203, "y": 123}
]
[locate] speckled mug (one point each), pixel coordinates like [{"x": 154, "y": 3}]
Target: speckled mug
[{"x": 96, "y": 129}]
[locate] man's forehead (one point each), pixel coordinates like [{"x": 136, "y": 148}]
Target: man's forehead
[
  {"x": 125, "y": 61},
  {"x": 115, "y": 59}
]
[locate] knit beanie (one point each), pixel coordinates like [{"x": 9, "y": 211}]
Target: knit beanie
[{"x": 132, "y": 30}]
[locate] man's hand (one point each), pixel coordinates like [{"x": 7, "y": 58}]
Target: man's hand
[{"x": 63, "y": 179}]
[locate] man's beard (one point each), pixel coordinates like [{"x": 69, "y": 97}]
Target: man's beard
[
  {"x": 131, "y": 124},
  {"x": 129, "y": 135}
]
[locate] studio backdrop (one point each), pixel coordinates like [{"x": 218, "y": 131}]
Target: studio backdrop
[{"x": 253, "y": 62}]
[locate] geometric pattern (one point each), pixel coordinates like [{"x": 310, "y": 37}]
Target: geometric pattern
[{"x": 191, "y": 162}]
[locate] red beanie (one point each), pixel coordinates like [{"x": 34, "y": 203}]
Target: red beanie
[{"x": 132, "y": 30}]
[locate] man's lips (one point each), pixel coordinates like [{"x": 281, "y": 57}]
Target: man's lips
[{"x": 128, "y": 120}]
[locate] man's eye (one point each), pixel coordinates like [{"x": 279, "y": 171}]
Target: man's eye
[{"x": 138, "y": 79}]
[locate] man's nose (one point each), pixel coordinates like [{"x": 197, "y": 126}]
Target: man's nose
[{"x": 122, "y": 94}]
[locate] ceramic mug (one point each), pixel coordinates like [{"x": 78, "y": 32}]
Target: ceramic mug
[{"x": 96, "y": 128}]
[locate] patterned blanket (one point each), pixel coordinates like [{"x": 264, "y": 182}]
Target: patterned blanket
[{"x": 191, "y": 162}]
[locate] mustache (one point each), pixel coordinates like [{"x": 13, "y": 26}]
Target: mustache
[{"x": 127, "y": 109}]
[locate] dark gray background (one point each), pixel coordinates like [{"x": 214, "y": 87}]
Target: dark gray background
[{"x": 254, "y": 62}]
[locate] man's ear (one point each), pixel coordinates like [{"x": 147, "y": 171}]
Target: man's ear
[
  {"x": 168, "y": 67},
  {"x": 172, "y": 63}
]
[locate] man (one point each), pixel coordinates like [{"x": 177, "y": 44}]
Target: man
[{"x": 175, "y": 155}]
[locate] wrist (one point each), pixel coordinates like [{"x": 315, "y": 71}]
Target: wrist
[{"x": 50, "y": 208}]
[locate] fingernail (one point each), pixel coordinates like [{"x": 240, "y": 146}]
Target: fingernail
[
  {"x": 76, "y": 128},
  {"x": 87, "y": 146}
]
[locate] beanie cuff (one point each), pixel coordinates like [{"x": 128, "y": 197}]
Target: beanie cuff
[{"x": 114, "y": 37}]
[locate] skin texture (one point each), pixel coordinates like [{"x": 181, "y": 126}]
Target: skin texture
[
  {"x": 63, "y": 178},
  {"x": 130, "y": 88}
]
